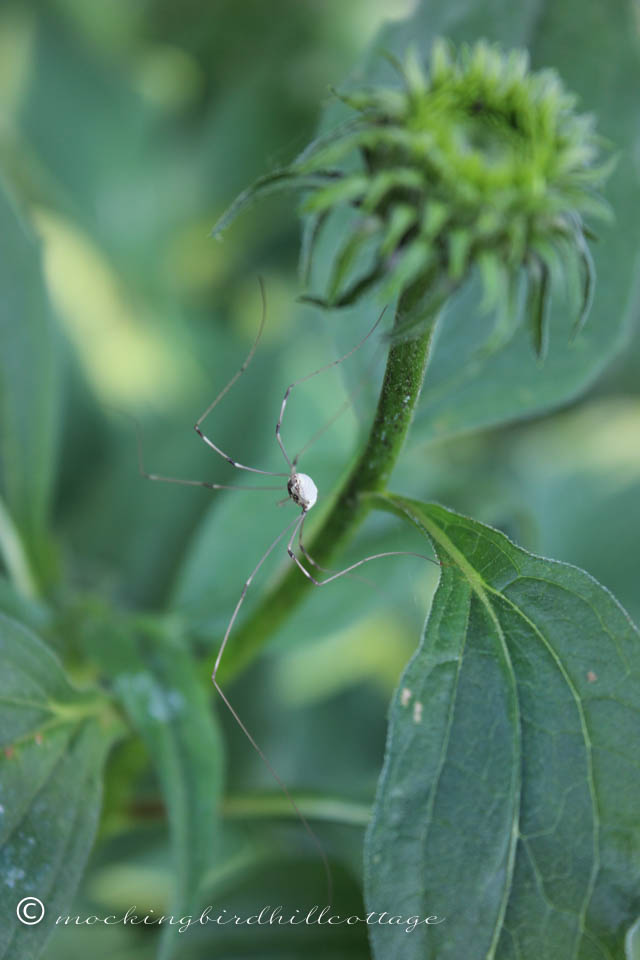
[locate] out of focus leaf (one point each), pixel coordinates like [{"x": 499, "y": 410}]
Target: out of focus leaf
[
  {"x": 14, "y": 604},
  {"x": 54, "y": 740},
  {"x": 168, "y": 704},
  {"x": 29, "y": 384},
  {"x": 579, "y": 474},
  {"x": 508, "y": 800}
]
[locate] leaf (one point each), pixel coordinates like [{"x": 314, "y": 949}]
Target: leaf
[
  {"x": 538, "y": 306},
  {"x": 168, "y": 703},
  {"x": 283, "y": 179},
  {"x": 345, "y": 259},
  {"x": 14, "y": 557},
  {"x": 588, "y": 286},
  {"x": 54, "y": 740},
  {"x": 29, "y": 383},
  {"x": 508, "y": 800},
  {"x": 14, "y": 604}
]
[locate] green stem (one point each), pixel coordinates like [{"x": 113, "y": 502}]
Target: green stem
[
  {"x": 275, "y": 805},
  {"x": 404, "y": 374}
]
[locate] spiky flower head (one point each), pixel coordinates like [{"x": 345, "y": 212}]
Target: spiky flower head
[{"x": 477, "y": 162}]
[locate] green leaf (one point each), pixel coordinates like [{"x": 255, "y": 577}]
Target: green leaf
[
  {"x": 168, "y": 702},
  {"x": 31, "y": 613},
  {"x": 342, "y": 190},
  {"x": 413, "y": 262},
  {"x": 538, "y": 306},
  {"x": 508, "y": 799},
  {"x": 403, "y": 217},
  {"x": 29, "y": 384},
  {"x": 54, "y": 741},
  {"x": 283, "y": 179},
  {"x": 14, "y": 556},
  {"x": 345, "y": 258},
  {"x": 588, "y": 286}
]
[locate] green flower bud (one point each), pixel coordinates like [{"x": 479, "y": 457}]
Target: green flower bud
[{"x": 476, "y": 163}]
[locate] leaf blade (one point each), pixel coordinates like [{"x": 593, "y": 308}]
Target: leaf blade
[
  {"x": 166, "y": 702},
  {"x": 29, "y": 384},
  {"x": 55, "y": 741},
  {"x": 571, "y": 890}
]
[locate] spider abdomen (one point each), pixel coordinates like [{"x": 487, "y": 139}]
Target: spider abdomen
[{"x": 302, "y": 490}]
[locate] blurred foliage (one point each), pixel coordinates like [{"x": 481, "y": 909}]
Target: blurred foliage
[{"x": 125, "y": 128}]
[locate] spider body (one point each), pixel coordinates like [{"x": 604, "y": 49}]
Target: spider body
[{"x": 302, "y": 490}]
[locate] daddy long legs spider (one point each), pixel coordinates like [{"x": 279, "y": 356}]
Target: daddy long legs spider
[{"x": 302, "y": 491}]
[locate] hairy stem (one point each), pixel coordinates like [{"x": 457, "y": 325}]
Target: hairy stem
[{"x": 404, "y": 374}]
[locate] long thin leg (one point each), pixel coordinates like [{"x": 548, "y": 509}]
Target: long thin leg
[
  {"x": 187, "y": 483},
  {"x": 349, "y": 402},
  {"x": 309, "y": 558},
  {"x": 315, "y": 373},
  {"x": 316, "y": 436},
  {"x": 303, "y": 820},
  {"x": 225, "y": 390},
  {"x": 303, "y": 550},
  {"x": 296, "y": 523},
  {"x": 342, "y": 573}
]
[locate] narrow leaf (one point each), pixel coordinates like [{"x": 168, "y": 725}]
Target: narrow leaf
[
  {"x": 285, "y": 178},
  {"x": 351, "y": 294},
  {"x": 589, "y": 282},
  {"x": 345, "y": 259},
  {"x": 412, "y": 262},
  {"x": 401, "y": 219},
  {"x": 29, "y": 385},
  {"x": 310, "y": 233},
  {"x": 346, "y": 190},
  {"x": 169, "y": 705},
  {"x": 399, "y": 179},
  {"x": 538, "y": 294}
]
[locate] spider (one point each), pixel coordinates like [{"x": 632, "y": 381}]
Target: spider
[{"x": 302, "y": 491}]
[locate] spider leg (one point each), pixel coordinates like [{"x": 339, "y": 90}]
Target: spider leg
[
  {"x": 353, "y": 566},
  {"x": 315, "y": 373},
  {"x": 303, "y": 820},
  {"x": 187, "y": 483},
  {"x": 303, "y": 549},
  {"x": 295, "y": 524},
  {"x": 309, "y": 558},
  {"x": 225, "y": 390}
]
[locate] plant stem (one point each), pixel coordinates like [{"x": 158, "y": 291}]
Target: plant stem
[
  {"x": 403, "y": 377},
  {"x": 255, "y": 806}
]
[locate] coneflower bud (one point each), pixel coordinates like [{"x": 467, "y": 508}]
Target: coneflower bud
[{"x": 477, "y": 162}]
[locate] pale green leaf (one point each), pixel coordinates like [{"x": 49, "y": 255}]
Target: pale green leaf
[{"x": 29, "y": 384}]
